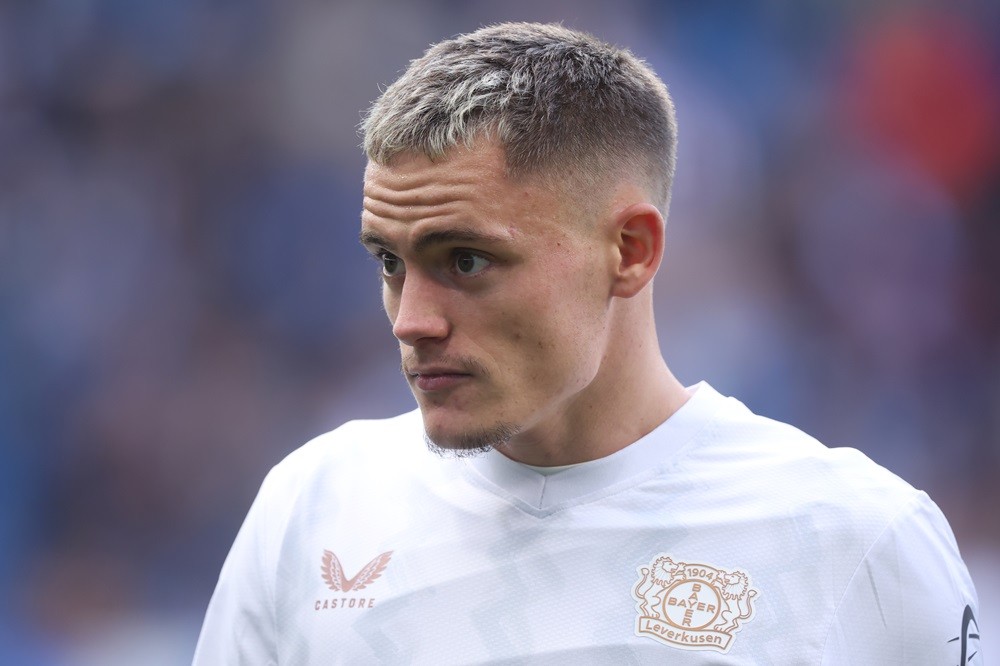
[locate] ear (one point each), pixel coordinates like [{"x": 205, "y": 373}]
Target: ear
[{"x": 639, "y": 239}]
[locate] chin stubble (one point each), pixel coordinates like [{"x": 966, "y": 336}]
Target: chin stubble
[{"x": 474, "y": 443}]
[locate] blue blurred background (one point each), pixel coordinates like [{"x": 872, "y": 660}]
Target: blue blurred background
[{"x": 183, "y": 301}]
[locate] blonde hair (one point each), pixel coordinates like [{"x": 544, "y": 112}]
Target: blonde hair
[{"x": 558, "y": 101}]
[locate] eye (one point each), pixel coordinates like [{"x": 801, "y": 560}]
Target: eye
[
  {"x": 392, "y": 266},
  {"x": 469, "y": 263}
]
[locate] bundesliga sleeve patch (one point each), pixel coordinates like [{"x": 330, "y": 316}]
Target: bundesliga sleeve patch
[{"x": 692, "y": 606}]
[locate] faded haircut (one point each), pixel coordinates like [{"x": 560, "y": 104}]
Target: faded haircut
[{"x": 559, "y": 101}]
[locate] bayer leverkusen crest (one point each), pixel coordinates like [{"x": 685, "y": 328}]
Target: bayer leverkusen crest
[{"x": 692, "y": 606}]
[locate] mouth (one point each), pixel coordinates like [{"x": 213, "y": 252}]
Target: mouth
[{"x": 432, "y": 379}]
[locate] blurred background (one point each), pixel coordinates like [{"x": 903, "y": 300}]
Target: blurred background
[{"x": 183, "y": 300}]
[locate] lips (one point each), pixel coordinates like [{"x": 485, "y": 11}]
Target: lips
[
  {"x": 431, "y": 383},
  {"x": 434, "y": 378}
]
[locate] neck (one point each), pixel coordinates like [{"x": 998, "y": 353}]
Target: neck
[{"x": 632, "y": 393}]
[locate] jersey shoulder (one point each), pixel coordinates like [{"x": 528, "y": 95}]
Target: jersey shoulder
[
  {"x": 781, "y": 468},
  {"x": 360, "y": 447}
]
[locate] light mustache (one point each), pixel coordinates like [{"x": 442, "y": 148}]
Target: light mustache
[{"x": 465, "y": 365}]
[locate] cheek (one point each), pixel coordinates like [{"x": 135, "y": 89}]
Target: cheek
[{"x": 554, "y": 340}]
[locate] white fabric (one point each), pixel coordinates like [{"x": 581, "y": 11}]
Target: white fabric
[{"x": 487, "y": 561}]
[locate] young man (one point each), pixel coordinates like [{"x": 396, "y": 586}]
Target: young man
[{"x": 588, "y": 508}]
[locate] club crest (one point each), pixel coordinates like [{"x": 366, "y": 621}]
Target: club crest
[{"x": 692, "y": 606}]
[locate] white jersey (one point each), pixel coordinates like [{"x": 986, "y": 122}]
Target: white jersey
[{"x": 720, "y": 538}]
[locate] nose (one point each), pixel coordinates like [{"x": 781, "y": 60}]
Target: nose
[{"x": 417, "y": 310}]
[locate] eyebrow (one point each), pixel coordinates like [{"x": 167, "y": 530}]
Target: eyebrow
[{"x": 437, "y": 237}]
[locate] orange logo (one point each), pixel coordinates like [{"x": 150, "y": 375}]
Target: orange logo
[
  {"x": 333, "y": 572},
  {"x": 692, "y": 606}
]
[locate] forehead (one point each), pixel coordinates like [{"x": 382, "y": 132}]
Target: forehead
[
  {"x": 467, "y": 187},
  {"x": 411, "y": 181}
]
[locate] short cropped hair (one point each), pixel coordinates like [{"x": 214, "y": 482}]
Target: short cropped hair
[{"x": 558, "y": 101}]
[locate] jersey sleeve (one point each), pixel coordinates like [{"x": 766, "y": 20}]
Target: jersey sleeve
[
  {"x": 911, "y": 600},
  {"x": 239, "y": 626}
]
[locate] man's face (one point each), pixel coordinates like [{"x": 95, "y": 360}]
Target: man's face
[{"x": 497, "y": 291}]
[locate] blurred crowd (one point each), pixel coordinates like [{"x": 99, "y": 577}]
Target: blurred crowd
[{"x": 183, "y": 301}]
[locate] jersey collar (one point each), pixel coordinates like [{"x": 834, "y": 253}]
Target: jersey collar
[{"x": 543, "y": 494}]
